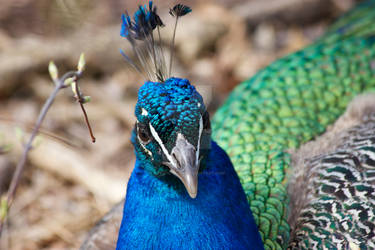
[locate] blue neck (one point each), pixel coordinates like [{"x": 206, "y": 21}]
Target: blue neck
[{"x": 159, "y": 216}]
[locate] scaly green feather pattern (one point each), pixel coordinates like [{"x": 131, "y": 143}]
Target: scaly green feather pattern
[
  {"x": 284, "y": 105},
  {"x": 356, "y": 23}
]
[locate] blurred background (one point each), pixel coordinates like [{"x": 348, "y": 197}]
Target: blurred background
[{"x": 69, "y": 182}]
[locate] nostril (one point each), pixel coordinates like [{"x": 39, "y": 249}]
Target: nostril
[
  {"x": 174, "y": 156},
  {"x": 178, "y": 164}
]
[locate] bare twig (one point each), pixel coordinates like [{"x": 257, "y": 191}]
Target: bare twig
[
  {"x": 81, "y": 102},
  {"x": 60, "y": 83}
]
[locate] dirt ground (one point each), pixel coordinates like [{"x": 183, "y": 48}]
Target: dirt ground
[{"x": 69, "y": 182}]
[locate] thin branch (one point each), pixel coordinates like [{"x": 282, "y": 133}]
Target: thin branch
[
  {"x": 59, "y": 84},
  {"x": 81, "y": 102}
]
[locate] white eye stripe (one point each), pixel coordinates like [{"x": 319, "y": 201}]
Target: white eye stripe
[
  {"x": 146, "y": 150},
  {"x": 199, "y": 140},
  {"x": 161, "y": 144}
]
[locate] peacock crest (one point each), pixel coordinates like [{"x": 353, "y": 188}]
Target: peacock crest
[{"x": 147, "y": 46}]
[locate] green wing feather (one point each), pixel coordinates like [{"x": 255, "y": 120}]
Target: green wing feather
[{"x": 287, "y": 104}]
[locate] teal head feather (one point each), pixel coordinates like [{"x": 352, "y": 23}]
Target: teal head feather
[{"x": 172, "y": 132}]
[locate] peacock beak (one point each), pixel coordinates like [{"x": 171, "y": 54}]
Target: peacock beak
[{"x": 185, "y": 165}]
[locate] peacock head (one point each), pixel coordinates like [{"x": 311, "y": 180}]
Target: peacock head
[{"x": 172, "y": 132}]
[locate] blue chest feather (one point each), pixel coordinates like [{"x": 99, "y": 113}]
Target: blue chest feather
[{"x": 159, "y": 216}]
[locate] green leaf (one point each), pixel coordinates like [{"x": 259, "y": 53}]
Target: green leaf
[
  {"x": 81, "y": 63},
  {"x": 3, "y": 208},
  {"x": 86, "y": 99},
  {"x": 53, "y": 72}
]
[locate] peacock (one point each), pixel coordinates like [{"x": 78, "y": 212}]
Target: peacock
[
  {"x": 174, "y": 156},
  {"x": 258, "y": 175}
]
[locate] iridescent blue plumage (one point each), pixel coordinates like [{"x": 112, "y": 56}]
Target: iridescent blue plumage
[
  {"x": 145, "y": 21},
  {"x": 174, "y": 102},
  {"x": 159, "y": 213},
  {"x": 157, "y": 216}
]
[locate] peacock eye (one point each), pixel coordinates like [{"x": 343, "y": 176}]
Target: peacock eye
[{"x": 143, "y": 133}]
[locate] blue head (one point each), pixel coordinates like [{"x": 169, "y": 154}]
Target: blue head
[{"x": 172, "y": 132}]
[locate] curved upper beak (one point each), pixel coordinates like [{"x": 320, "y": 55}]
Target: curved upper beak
[{"x": 185, "y": 165}]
